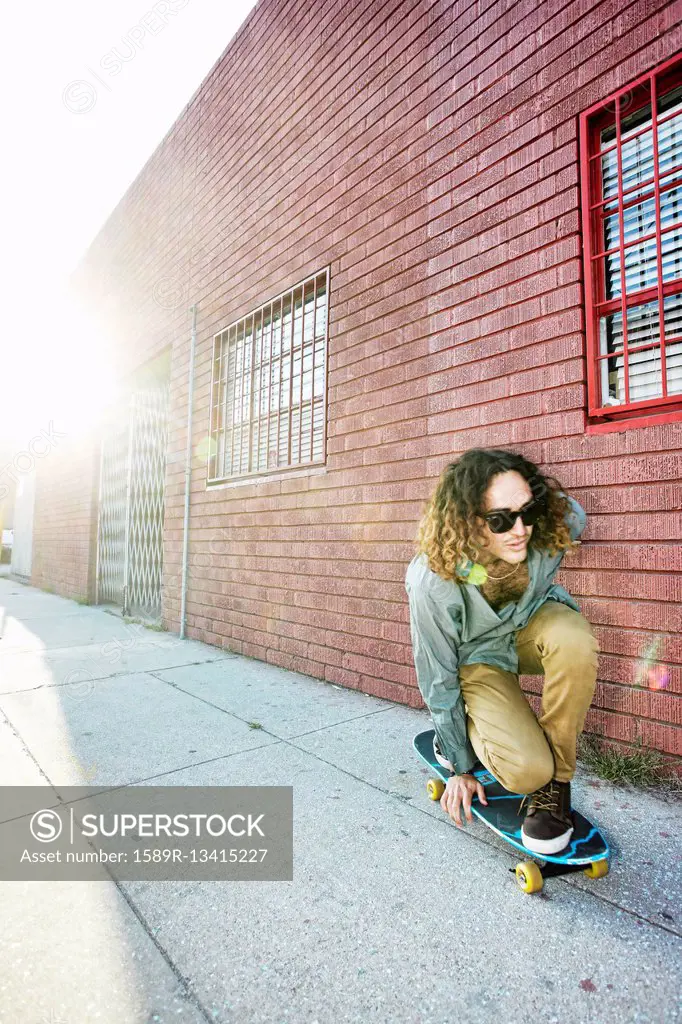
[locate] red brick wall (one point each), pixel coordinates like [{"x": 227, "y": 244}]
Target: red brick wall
[
  {"x": 65, "y": 518},
  {"x": 428, "y": 153}
]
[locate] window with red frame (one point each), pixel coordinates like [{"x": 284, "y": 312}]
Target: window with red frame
[{"x": 631, "y": 169}]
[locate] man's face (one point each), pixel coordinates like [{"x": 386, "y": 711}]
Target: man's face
[{"x": 506, "y": 491}]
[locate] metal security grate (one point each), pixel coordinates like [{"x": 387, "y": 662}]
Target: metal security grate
[
  {"x": 130, "y": 541},
  {"x": 113, "y": 505},
  {"x": 149, "y": 414},
  {"x": 268, "y": 387}
]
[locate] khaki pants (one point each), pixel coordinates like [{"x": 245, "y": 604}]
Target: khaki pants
[{"x": 524, "y": 752}]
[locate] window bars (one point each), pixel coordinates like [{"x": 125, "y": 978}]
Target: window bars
[
  {"x": 268, "y": 386},
  {"x": 631, "y": 170}
]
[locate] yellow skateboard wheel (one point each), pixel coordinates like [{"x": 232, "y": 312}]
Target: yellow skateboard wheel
[
  {"x": 435, "y": 788},
  {"x": 529, "y": 877},
  {"x": 597, "y": 869}
]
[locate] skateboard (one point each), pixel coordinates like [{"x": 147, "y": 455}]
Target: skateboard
[{"x": 587, "y": 851}]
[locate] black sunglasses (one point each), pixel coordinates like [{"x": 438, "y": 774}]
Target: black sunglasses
[{"x": 503, "y": 519}]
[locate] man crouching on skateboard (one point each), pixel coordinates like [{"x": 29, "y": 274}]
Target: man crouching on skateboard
[{"x": 484, "y": 608}]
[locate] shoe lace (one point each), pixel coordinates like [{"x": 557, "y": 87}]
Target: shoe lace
[{"x": 545, "y": 799}]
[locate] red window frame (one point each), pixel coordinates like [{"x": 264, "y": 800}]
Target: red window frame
[{"x": 610, "y": 113}]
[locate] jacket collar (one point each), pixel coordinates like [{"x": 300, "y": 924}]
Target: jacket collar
[{"x": 483, "y": 613}]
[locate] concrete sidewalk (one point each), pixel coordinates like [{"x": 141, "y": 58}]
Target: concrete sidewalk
[{"x": 394, "y": 914}]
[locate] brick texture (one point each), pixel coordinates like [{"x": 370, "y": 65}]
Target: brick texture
[
  {"x": 427, "y": 152},
  {"x": 65, "y": 519}
]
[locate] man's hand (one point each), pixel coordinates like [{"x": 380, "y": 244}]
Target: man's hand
[{"x": 460, "y": 789}]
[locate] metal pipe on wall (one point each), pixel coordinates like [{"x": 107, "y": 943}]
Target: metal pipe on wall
[{"x": 188, "y": 472}]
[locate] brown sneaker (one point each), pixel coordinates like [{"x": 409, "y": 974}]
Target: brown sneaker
[{"x": 548, "y": 825}]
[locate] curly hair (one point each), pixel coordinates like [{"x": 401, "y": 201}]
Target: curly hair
[{"x": 448, "y": 532}]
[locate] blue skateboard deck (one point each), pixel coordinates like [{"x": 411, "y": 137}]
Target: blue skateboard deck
[{"x": 587, "y": 846}]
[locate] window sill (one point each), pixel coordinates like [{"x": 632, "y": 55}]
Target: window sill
[
  {"x": 267, "y": 478},
  {"x": 636, "y": 421}
]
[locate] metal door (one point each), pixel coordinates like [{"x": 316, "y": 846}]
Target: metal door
[{"x": 131, "y": 505}]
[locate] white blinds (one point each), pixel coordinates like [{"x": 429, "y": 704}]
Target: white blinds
[
  {"x": 645, "y": 369},
  {"x": 645, "y": 372}
]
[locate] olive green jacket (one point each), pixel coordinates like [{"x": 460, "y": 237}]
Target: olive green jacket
[{"x": 452, "y": 624}]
